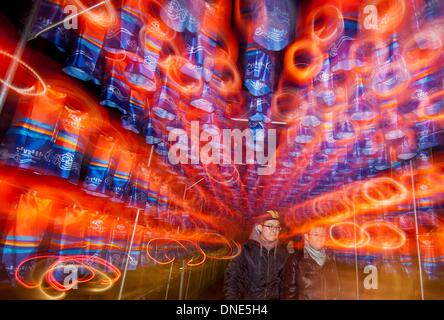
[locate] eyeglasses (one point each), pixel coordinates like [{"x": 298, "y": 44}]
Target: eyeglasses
[
  {"x": 273, "y": 228},
  {"x": 318, "y": 235}
]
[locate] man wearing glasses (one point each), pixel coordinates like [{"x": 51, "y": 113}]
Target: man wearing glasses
[
  {"x": 311, "y": 274},
  {"x": 256, "y": 273}
]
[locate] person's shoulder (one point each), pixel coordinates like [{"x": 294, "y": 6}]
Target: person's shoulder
[
  {"x": 298, "y": 255},
  {"x": 331, "y": 256},
  {"x": 250, "y": 245},
  {"x": 245, "y": 250}
]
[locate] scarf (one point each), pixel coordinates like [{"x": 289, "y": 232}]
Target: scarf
[{"x": 317, "y": 255}]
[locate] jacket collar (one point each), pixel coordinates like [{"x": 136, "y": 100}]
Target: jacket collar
[{"x": 305, "y": 255}]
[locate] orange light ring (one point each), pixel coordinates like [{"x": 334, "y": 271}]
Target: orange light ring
[
  {"x": 199, "y": 249},
  {"x": 357, "y": 198},
  {"x": 303, "y": 75},
  {"x": 290, "y": 117},
  {"x": 172, "y": 66},
  {"x": 24, "y": 91},
  {"x": 101, "y": 20},
  {"x": 179, "y": 242},
  {"x": 48, "y": 274},
  {"x": 363, "y": 241},
  {"x": 395, "y": 245},
  {"x": 55, "y": 284},
  {"x": 99, "y": 261},
  {"x": 154, "y": 259},
  {"x": 153, "y": 25},
  {"x": 93, "y": 272},
  {"x": 227, "y": 87},
  {"x": 116, "y": 56},
  {"x": 394, "y": 199},
  {"x": 338, "y": 18},
  {"x": 224, "y": 239},
  {"x": 237, "y": 246},
  {"x": 324, "y": 207},
  {"x": 235, "y": 177},
  {"x": 17, "y": 276}
]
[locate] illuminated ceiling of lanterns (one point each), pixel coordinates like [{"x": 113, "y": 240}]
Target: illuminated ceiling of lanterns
[{"x": 340, "y": 101}]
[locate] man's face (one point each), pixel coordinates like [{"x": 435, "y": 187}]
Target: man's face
[
  {"x": 316, "y": 237},
  {"x": 270, "y": 230}
]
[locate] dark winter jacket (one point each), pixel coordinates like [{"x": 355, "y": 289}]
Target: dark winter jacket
[
  {"x": 304, "y": 279},
  {"x": 256, "y": 273}
]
